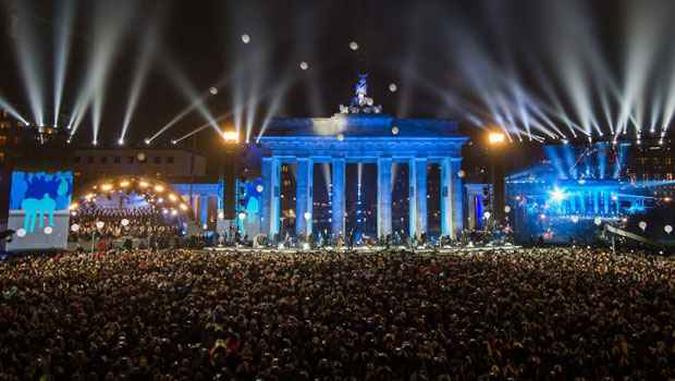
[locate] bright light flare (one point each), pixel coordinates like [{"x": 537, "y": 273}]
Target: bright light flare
[
  {"x": 231, "y": 136},
  {"x": 29, "y": 57},
  {"x": 496, "y": 138},
  {"x": 4, "y": 105},
  {"x": 148, "y": 49},
  {"x": 558, "y": 195},
  {"x": 62, "y": 34}
]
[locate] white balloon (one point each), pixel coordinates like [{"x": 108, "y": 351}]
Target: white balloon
[
  {"x": 575, "y": 219},
  {"x": 668, "y": 229},
  {"x": 48, "y": 230},
  {"x": 124, "y": 222},
  {"x": 507, "y": 209},
  {"x": 486, "y": 215},
  {"x": 75, "y": 228},
  {"x": 21, "y": 233},
  {"x": 642, "y": 225},
  {"x": 597, "y": 221},
  {"x": 100, "y": 224}
]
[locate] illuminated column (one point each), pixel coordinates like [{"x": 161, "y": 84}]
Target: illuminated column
[
  {"x": 417, "y": 169},
  {"x": 573, "y": 204},
  {"x": 452, "y": 197},
  {"x": 582, "y": 202},
  {"x": 338, "y": 197},
  {"x": 383, "y": 197},
  {"x": 271, "y": 174},
  {"x": 303, "y": 196},
  {"x": 457, "y": 196},
  {"x": 596, "y": 201},
  {"x": 605, "y": 202},
  {"x": 203, "y": 209}
]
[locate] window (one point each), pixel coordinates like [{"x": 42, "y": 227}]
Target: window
[
  {"x": 158, "y": 160},
  {"x": 104, "y": 159},
  {"x": 130, "y": 159},
  {"x": 77, "y": 159},
  {"x": 116, "y": 160},
  {"x": 169, "y": 159},
  {"x": 90, "y": 160}
]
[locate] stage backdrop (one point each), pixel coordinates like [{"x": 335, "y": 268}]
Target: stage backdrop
[{"x": 38, "y": 209}]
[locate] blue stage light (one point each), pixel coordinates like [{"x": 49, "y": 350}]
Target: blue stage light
[{"x": 558, "y": 194}]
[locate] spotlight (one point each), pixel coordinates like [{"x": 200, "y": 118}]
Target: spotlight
[
  {"x": 393, "y": 87},
  {"x": 120, "y": 142},
  {"x": 213, "y": 90},
  {"x": 353, "y": 45},
  {"x": 341, "y": 137},
  {"x": 94, "y": 142},
  {"x": 245, "y": 38},
  {"x": 174, "y": 142},
  {"x": 147, "y": 141},
  {"x": 304, "y": 65}
]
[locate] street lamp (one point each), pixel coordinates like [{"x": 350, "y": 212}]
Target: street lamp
[
  {"x": 229, "y": 170},
  {"x": 496, "y": 139},
  {"x": 231, "y": 137}
]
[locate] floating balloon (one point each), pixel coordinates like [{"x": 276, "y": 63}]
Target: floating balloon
[
  {"x": 668, "y": 229},
  {"x": 507, "y": 209},
  {"x": 75, "y": 228},
  {"x": 48, "y": 230},
  {"x": 642, "y": 225},
  {"x": 124, "y": 222},
  {"x": 21, "y": 233},
  {"x": 597, "y": 221},
  {"x": 575, "y": 219},
  {"x": 100, "y": 224}
]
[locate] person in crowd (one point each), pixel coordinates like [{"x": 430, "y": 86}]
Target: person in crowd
[{"x": 553, "y": 314}]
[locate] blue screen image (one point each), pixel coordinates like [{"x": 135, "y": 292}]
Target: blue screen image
[{"x": 39, "y": 195}]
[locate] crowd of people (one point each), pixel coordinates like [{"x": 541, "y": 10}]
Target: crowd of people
[{"x": 563, "y": 313}]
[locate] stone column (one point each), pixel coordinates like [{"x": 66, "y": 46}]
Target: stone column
[
  {"x": 271, "y": 206},
  {"x": 338, "y": 197},
  {"x": 383, "y": 197},
  {"x": 203, "y": 209},
  {"x": 457, "y": 196},
  {"x": 417, "y": 169},
  {"x": 447, "y": 202},
  {"x": 303, "y": 196}
]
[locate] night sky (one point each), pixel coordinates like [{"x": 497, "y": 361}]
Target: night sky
[{"x": 438, "y": 53}]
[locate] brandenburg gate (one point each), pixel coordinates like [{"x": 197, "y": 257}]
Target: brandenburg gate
[{"x": 360, "y": 133}]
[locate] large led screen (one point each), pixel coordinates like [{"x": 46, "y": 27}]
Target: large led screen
[{"x": 38, "y": 210}]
